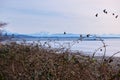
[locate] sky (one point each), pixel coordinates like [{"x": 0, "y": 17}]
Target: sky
[{"x": 57, "y": 16}]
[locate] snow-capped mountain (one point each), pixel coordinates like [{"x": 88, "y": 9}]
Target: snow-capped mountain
[
  {"x": 42, "y": 34},
  {"x": 47, "y": 34}
]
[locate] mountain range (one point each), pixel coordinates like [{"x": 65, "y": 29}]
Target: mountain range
[{"x": 46, "y": 34}]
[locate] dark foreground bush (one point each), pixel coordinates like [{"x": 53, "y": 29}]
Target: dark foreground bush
[{"x": 33, "y": 62}]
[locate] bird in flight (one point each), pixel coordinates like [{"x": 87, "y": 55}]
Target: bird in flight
[
  {"x": 113, "y": 14},
  {"x": 116, "y": 16},
  {"x": 105, "y": 11},
  {"x": 96, "y": 15}
]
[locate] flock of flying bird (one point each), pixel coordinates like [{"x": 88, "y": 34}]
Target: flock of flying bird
[{"x": 104, "y": 11}]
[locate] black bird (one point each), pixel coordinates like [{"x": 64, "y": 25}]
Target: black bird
[
  {"x": 116, "y": 16},
  {"x": 113, "y": 14},
  {"x": 64, "y": 32},
  {"x": 96, "y": 15},
  {"x": 88, "y": 35},
  {"x": 105, "y": 11}
]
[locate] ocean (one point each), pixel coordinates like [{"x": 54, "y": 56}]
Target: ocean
[{"x": 86, "y": 47}]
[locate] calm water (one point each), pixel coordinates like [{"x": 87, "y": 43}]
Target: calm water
[{"x": 88, "y": 47}]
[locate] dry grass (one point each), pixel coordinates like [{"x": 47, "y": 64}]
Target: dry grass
[{"x": 34, "y": 62}]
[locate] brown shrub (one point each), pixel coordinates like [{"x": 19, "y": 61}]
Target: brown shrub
[{"x": 28, "y": 62}]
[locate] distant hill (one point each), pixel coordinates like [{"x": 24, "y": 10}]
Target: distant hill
[{"x": 61, "y": 35}]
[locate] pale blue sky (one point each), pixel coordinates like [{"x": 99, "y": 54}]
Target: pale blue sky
[{"x": 57, "y": 16}]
